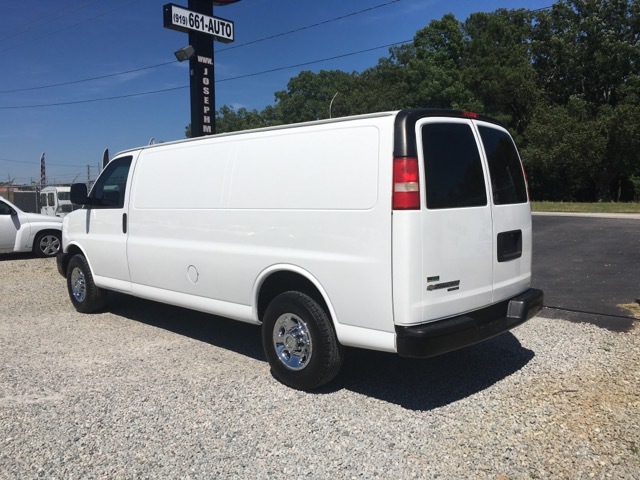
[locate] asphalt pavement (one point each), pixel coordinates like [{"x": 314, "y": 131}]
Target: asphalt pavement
[{"x": 588, "y": 265}]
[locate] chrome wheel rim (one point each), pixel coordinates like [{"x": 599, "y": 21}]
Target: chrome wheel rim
[
  {"x": 292, "y": 341},
  {"x": 49, "y": 245},
  {"x": 78, "y": 285}
]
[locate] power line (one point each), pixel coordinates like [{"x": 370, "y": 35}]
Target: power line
[
  {"x": 45, "y": 20},
  {"x": 69, "y": 27},
  {"x": 307, "y": 27},
  {"x": 72, "y": 82},
  {"x": 38, "y": 161},
  {"x": 92, "y": 100},
  {"x": 277, "y": 69}
]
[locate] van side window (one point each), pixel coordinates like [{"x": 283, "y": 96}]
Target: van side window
[
  {"x": 452, "y": 165},
  {"x": 109, "y": 189},
  {"x": 507, "y": 179}
]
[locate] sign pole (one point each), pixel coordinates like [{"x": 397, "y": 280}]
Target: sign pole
[
  {"x": 202, "y": 86},
  {"x": 198, "y": 21}
]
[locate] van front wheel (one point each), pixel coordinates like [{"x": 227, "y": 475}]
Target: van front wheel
[
  {"x": 85, "y": 296},
  {"x": 299, "y": 342}
]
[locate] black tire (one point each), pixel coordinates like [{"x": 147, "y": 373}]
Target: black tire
[
  {"x": 85, "y": 296},
  {"x": 299, "y": 342},
  {"x": 47, "y": 244}
]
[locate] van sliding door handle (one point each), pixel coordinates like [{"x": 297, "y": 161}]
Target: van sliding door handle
[{"x": 124, "y": 223}]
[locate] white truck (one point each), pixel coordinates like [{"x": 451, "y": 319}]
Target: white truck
[
  {"x": 28, "y": 232},
  {"x": 406, "y": 231},
  {"x": 55, "y": 201}
]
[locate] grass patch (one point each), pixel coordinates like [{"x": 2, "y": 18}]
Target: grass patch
[
  {"x": 575, "y": 207},
  {"x": 633, "y": 308}
]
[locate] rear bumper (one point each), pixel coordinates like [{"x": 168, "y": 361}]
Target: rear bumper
[{"x": 430, "y": 339}]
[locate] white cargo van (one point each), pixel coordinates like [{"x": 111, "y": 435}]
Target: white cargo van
[{"x": 405, "y": 232}]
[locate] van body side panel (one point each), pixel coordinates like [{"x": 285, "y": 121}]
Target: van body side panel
[{"x": 309, "y": 197}]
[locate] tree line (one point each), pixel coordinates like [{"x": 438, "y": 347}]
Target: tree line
[{"x": 565, "y": 81}]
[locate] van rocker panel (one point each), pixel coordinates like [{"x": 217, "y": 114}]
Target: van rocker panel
[{"x": 435, "y": 338}]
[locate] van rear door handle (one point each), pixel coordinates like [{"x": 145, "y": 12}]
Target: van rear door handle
[
  {"x": 124, "y": 223},
  {"x": 509, "y": 245}
]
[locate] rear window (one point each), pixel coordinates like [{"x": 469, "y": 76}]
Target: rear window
[
  {"x": 507, "y": 178},
  {"x": 452, "y": 165}
]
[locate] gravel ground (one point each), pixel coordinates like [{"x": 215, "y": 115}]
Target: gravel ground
[{"x": 150, "y": 391}]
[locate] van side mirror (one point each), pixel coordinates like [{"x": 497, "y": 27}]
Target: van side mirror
[{"x": 78, "y": 194}]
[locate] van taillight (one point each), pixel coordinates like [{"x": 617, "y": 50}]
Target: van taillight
[{"x": 406, "y": 188}]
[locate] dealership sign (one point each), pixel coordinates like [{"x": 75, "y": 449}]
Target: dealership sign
[
  {"x": 203, "y": 28},
  {"x": 183, "y": 20}
]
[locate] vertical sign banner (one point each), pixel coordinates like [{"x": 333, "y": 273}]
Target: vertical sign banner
[
  {"x": 202, "y": 80},
  {"x": 43, "y": 171}
]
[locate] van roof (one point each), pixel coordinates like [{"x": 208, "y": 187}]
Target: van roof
[{"x": 405, "y": 120}]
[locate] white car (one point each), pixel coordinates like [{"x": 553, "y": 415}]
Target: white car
[{"x": 28, "y": 232}]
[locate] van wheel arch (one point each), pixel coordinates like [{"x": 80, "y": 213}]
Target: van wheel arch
[
  {"x": 85, "y": 295},
  {"x": 285, "y": 281},
  {"x": 72, "y": 250}
]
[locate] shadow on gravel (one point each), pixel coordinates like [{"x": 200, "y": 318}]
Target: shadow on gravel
[
  {"x": 415, "y": 384},
  {"x": 613, "y": 323},
  {"x": 425, "y": 384},
  {"x": 16, "y": 256},
  {"x": 239, "y": 337}
]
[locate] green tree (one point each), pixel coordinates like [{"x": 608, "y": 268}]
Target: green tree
[
  {"x": 589, "y": 48},
  {"x": 498, "y": 65},
  {"x": 309, "y": 95},
  {"x": 574, "y": 154},
  {"x": 229, "y": 119},
  {"x": 586, "y": 54}
]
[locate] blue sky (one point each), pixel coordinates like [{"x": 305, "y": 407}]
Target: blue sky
[{"x": 48, "y": 42}]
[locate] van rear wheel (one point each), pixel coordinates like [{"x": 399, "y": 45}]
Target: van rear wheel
[
  {"x": 299, "y": 342},
  {"x": 85, "y": 296}
]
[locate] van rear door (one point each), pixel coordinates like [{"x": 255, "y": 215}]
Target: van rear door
[
  {"x": 456, "y": 219},
  {"x": 474, "y": 220},
  {"x": 512, "y": 234}
]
